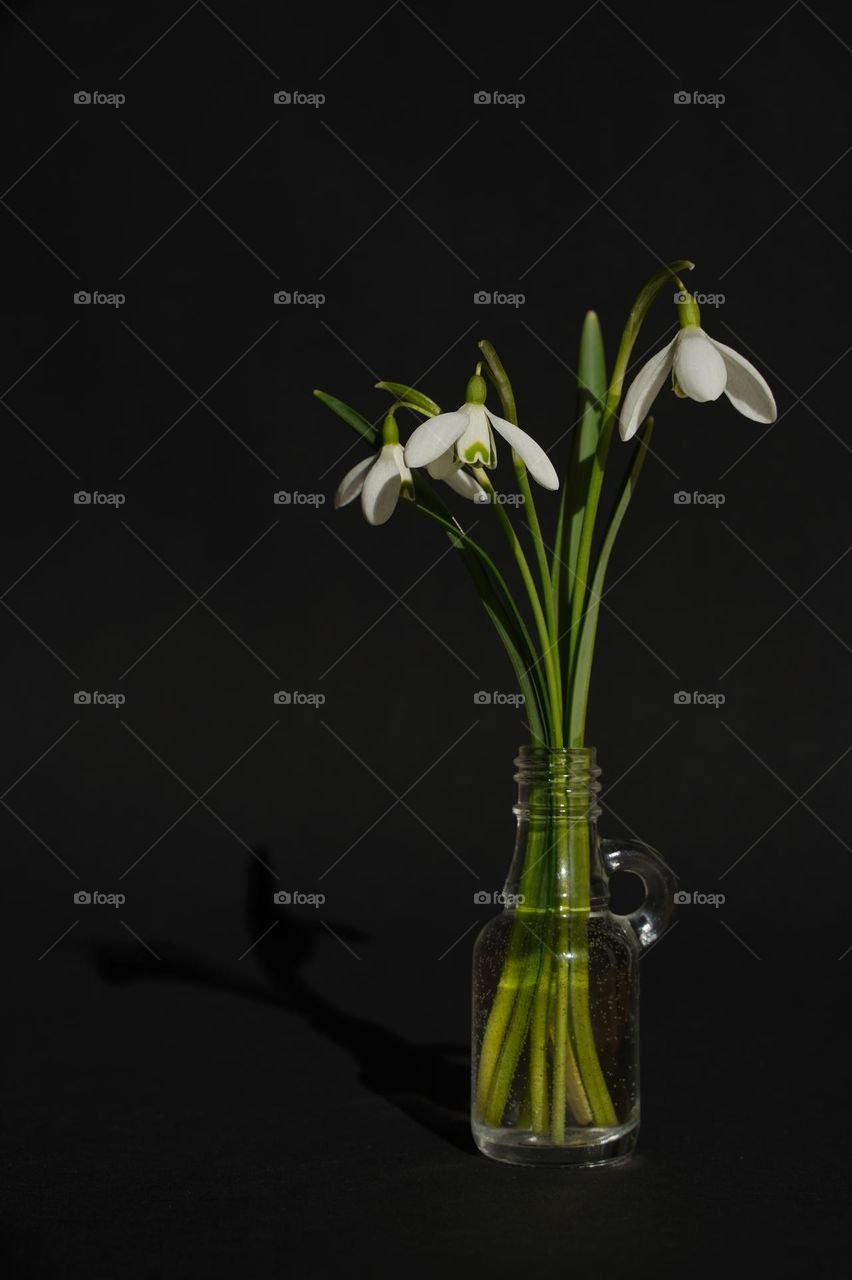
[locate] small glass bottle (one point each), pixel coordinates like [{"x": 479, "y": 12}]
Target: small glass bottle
[{"x": 556, "y": 978}]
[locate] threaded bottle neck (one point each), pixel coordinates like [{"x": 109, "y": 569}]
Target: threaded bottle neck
[{"x": 558, "y": 782}]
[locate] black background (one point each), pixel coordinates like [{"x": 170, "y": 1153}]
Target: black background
[{"x": 176, "y": 1104}]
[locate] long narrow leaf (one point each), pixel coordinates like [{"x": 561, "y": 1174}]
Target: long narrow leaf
[{"x": 350, "y": 416}]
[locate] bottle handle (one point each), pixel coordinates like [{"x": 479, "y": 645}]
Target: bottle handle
[{"x": 650, "y": 920}]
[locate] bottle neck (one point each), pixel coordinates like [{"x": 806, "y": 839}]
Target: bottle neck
[{"x": 557, "y": 864}]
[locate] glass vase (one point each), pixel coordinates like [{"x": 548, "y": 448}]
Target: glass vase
[{"x": 556, "y": 978}]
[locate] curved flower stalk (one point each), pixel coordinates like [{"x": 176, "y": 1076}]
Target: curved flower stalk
[{"x": 541, "y": 1006}]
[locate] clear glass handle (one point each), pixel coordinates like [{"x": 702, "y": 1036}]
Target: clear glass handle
[{"x": 650, "y": 920}]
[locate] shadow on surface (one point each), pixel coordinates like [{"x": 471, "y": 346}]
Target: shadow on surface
[{"x": 428, "y": 1083}]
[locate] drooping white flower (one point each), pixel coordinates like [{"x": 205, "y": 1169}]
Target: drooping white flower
[
  {"x": 469, "y": 435},
  {"x": 701, "y": 369},
  {"x": 381, "y": 481}
]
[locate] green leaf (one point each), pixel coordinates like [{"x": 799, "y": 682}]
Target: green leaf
[
  {"x": 591, "y": 393},
  {"x": 585, "y": 651},
  {"x": 414, "y": 398},
  {"x": 350, "y": 416}
]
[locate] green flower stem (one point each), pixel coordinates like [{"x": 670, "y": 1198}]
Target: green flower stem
[
  {"x": 575, "y": 874},
  {"x": 501, "y": 381},
  {"x": 510, "y": 983},
  {"x": 550, "y": 666}
]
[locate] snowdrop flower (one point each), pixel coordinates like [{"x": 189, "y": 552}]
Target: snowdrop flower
[
  {"x": 381, "y": 480},
  {"x": 468, "y": 436},
  {"x": 701, "y": 369}
]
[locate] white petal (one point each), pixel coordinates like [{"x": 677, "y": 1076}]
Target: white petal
[
  {"x": 476, "y": 443},
  {"x": 644, "y": 389},
  {"x": 352, "y": 483},
  {"x": 434, "y": 437},
  {"x": 536, "y": 460},
  {"x": 746, "y": 389},
  {"x": 463, "y": 482},
  {"x": 380, "y": 493},
  {"x": 698, "y": 368},
  {"x": 443, "y": 466}
]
